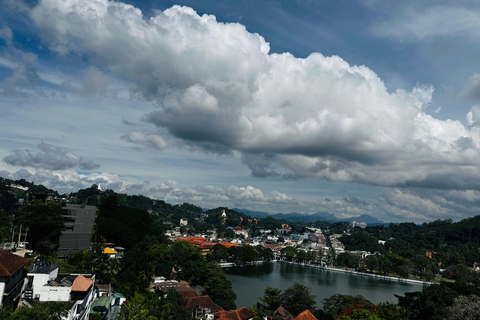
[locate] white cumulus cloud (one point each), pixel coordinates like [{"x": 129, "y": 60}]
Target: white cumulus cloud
[{"x": 217, "y": 86}]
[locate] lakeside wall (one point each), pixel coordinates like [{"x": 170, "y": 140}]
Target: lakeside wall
[{"x": 378, "y": 276}]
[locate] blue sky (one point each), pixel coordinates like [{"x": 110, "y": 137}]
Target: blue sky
[{"x": 349, "y": 107}]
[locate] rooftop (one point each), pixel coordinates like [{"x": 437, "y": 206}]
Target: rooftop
[
  {"x": 43, "y": 267},
  {"x": 10, "y": 263},
  {"x": 239, "y": 314},
  {"x": 204, "y": 302},
  {"x": 306, "y": 315},
  {"x": 81, "y": 283}
]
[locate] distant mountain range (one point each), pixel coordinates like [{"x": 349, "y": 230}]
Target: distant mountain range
[{"x": 322, "y": 216}]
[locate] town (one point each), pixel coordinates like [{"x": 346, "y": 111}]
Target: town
[{"x": 98, "y": 259}]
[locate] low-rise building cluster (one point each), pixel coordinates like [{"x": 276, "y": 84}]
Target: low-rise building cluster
[{"x": 42, "y": 282}]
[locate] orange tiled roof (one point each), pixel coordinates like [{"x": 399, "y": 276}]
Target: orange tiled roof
[
  {"x": 108, "y": 250},
  {"x": 81, "y": 283},
  {"x": 193, "y": 240},
  {"x": 206, "y": 245},
  {"x": 305, "y": 315},
  {"x": 228, "y": 244},
  {"x": 239, "y": 314},
  {"x": 10, "y": 263}
]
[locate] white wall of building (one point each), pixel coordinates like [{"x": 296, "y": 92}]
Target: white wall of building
[
  {"x": 40, "y": 279},
  {"x": 49, "y": 293},
  {"x": 2, "y": 290}
]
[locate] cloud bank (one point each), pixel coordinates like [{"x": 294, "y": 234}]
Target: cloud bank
[
  {"x": 50, "y": 158},
  {"x": 217, "y": 85}
]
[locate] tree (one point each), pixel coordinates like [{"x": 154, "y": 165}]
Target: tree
[
  {"x": 271, "y": 300},
  {"x": 347, "y": 260},
  {"x": 43, "y": 311},
  {"x": 371, "y": 263},
  {"x": 81, "y": 262},
  {"x": 464, "y": 308},
  {"x": 338, "y": 303},
  {"x": 301, "y": 256},
  {"x": 189, "y": 260},
  {"x": 390, "y": 311},
  {"x": 135, "y": 309},
  {"x": 107, "y": 269},
  {"x": 430, "y": 303},
  {"x": 171, "y": 306},
  {"x": 360, "y": 312},
  {"x": 298, "y": 298},
  {"x": 330, "y": 258},
  {"x": 229, "y": 233},
  {"x": 289, "y": 252},
  {"x": 46, "y": 224},
  {"x": 218, "y": 287},
  {"x": 263, "y": 253},
  {"x": 5, "y": 225},
  {"x": 386, "y": 266},
  {"x": 220, "y": 252},
  {"x": 249, "y": 253}
]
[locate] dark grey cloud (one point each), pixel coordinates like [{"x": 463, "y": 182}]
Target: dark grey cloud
[
  {"x": 150, "y": 140},
  {"x": 473, "y": 92},
  {"x": 94, "y": 83},
  {"x": 51, "y": 158},
  {"x": 24, "y": 76},
  {"x": 17, "y": 175},
  {"x": 354, "y": 200},
  {"x": 260, "y": 164}
]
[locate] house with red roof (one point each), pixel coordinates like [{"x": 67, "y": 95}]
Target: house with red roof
[
  {"x": 228, "y": 244},
  {"x": 201, "y": 307},
  {"x": 243, "y": 313},
  {"x": 196, "y": 241},
  {"x": 306, "y": 315},
  {"x": 206, "y": 248},
  {"x": 282, "y": 314},
  {"x": 12, "y": 277}
]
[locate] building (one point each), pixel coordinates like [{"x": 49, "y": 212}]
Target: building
[
  {"x": 77, "y": 289},
  {"x": 39, "y": 274},
  {"x": 206, "y": 248},
  {"x": 359, "y": 224},
  {"x": 79, "y": 222},
  {"x": 102, "y": 305},
  {"x": 12, "y": 277},
  {"x": 282, "y": 314},
  {"x": 306, "y": 315},
  {"x": 243, "y": 313},
  {"x": 201, "y": 307}
]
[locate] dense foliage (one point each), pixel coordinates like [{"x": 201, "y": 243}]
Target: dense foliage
[{"x": 39, "y": 311}]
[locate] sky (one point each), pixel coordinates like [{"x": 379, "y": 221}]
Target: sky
[{"x": 349, "y": 107}]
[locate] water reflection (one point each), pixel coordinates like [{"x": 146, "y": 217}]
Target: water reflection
[{"x": 249, "y": 282}]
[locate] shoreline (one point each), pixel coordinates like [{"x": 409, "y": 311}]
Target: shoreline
[{"x": 378, "y": 276}]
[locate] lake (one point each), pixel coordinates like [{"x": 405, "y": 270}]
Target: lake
[{"x": 249, "y": 282}]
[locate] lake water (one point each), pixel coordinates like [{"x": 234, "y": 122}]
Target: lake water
[{"x": 249, "y": 282}]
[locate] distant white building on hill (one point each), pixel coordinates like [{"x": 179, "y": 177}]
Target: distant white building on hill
[{"x": 359, "y": 223}]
